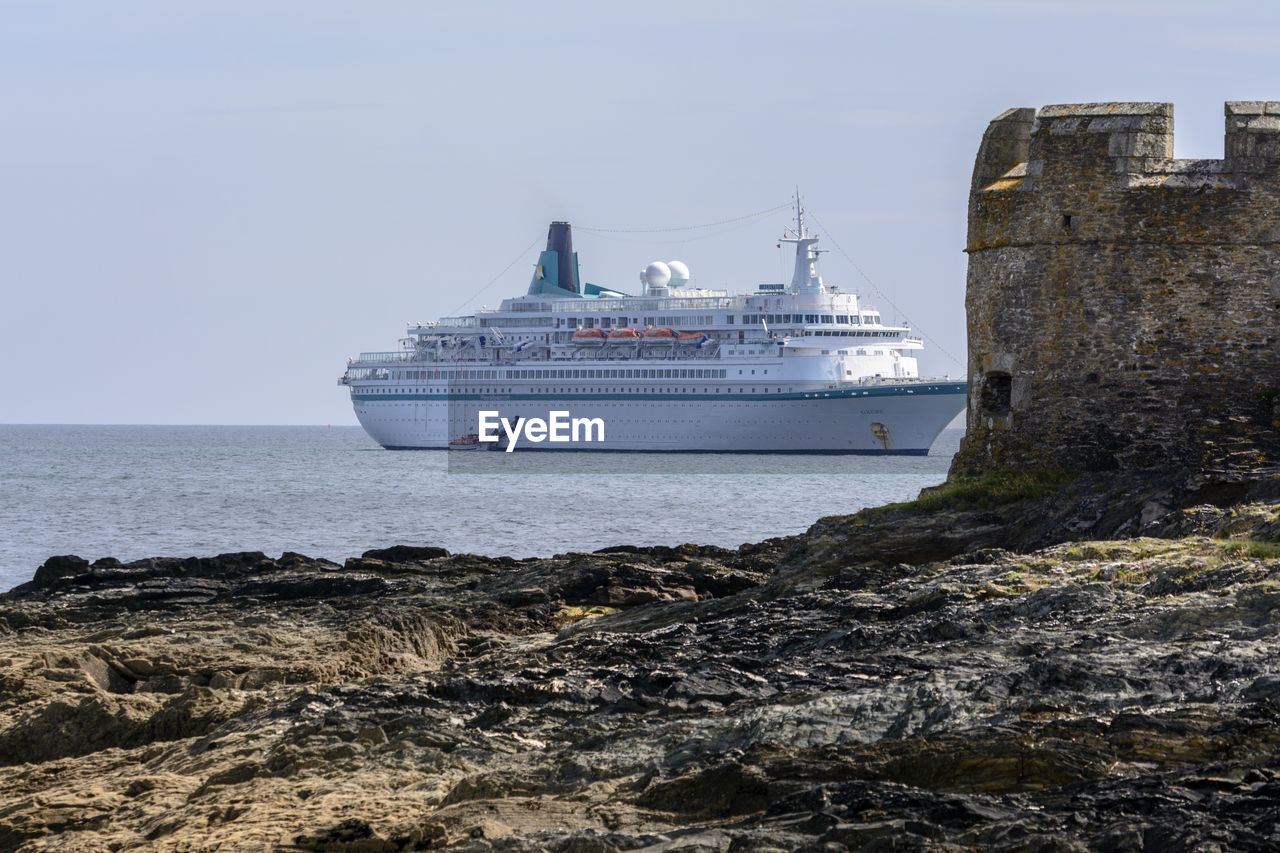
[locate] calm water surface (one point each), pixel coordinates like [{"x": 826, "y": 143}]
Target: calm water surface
[{"x": 143, "y": 491}]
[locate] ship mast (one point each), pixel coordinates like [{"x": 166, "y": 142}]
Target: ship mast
[
  {"x": 799, "y": 215},
  {"x": 805, "y": 279}
]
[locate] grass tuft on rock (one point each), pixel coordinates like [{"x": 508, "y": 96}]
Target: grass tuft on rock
[
  {"x": 1254, "y": 549},
  {"x": 981, "y": 492}
]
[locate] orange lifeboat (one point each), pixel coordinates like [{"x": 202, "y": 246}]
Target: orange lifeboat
[
  {"x": 589, "y": 337},
  {"x": 659, "y": 336},
  {"x": 691, "y": 338},
  {"x": 623, "y": 336}
]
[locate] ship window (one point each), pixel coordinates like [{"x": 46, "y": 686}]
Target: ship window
[
  {"x": 842, "y": 318},
  {"x": 728, "y": 320},
  {"x": 827, "y": 318}
]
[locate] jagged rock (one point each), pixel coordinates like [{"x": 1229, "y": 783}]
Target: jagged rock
[
  {"x": 994, "y": 677},
  {"x": 404, "y": 553},
  {"x": 59, "y": 567}
]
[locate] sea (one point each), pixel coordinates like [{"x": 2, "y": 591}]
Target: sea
[{"x": 147, "y": 491}]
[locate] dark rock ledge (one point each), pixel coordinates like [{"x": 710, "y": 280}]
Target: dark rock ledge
[{"x": 1094, "y": 668}]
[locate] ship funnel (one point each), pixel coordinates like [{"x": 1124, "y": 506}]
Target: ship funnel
[{"x": 557, "y": 270}]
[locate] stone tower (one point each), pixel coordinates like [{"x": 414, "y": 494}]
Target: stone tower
[{"x": 1123, "y": 306}]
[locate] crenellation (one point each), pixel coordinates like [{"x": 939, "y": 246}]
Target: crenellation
[
  {"x": 1116, "y": 138},
  {"x": 1004, "y": 145},
  {"x": 1252, "y": 135},
  {"x": 1124, "y": 307}
]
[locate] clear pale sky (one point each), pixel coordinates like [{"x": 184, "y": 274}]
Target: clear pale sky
[{"x": 206, "y": 207}]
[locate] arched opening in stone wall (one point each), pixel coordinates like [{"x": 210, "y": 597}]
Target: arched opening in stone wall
[{"x": 997, "y": 391}]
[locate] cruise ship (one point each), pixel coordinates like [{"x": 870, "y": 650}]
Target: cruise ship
[{"x": 791, "y": 368}]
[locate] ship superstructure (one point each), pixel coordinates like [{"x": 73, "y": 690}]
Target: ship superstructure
[{"x": 799, "y": 367}]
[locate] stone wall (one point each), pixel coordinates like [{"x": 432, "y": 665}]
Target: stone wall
[{"x": 1123, "y": 306}]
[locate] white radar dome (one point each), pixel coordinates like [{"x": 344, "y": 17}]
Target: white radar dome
[
  {"x": 657, "y": 274},
  {"x": 679, "y": 273}
]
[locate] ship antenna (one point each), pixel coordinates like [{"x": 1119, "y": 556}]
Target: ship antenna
[{"x": 799, "y": 214}]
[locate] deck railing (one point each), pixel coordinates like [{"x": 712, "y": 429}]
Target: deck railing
[{"x": 378, "y": 357}]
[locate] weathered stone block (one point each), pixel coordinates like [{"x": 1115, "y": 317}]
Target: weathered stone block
[
  {"x": 1264, "y": 124},
  {"x": 1245, "y": 108}
]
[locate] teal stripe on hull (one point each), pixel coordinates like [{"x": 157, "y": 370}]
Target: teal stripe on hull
[
  {"x": 578, "y": 448},
  {"x": 929, "y": 391}
]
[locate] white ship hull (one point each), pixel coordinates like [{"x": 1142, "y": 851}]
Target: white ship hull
[{"x": 901, "y": 418}]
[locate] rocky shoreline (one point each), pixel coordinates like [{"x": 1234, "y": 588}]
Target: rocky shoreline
[{"x": 1089, "y": 667}]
